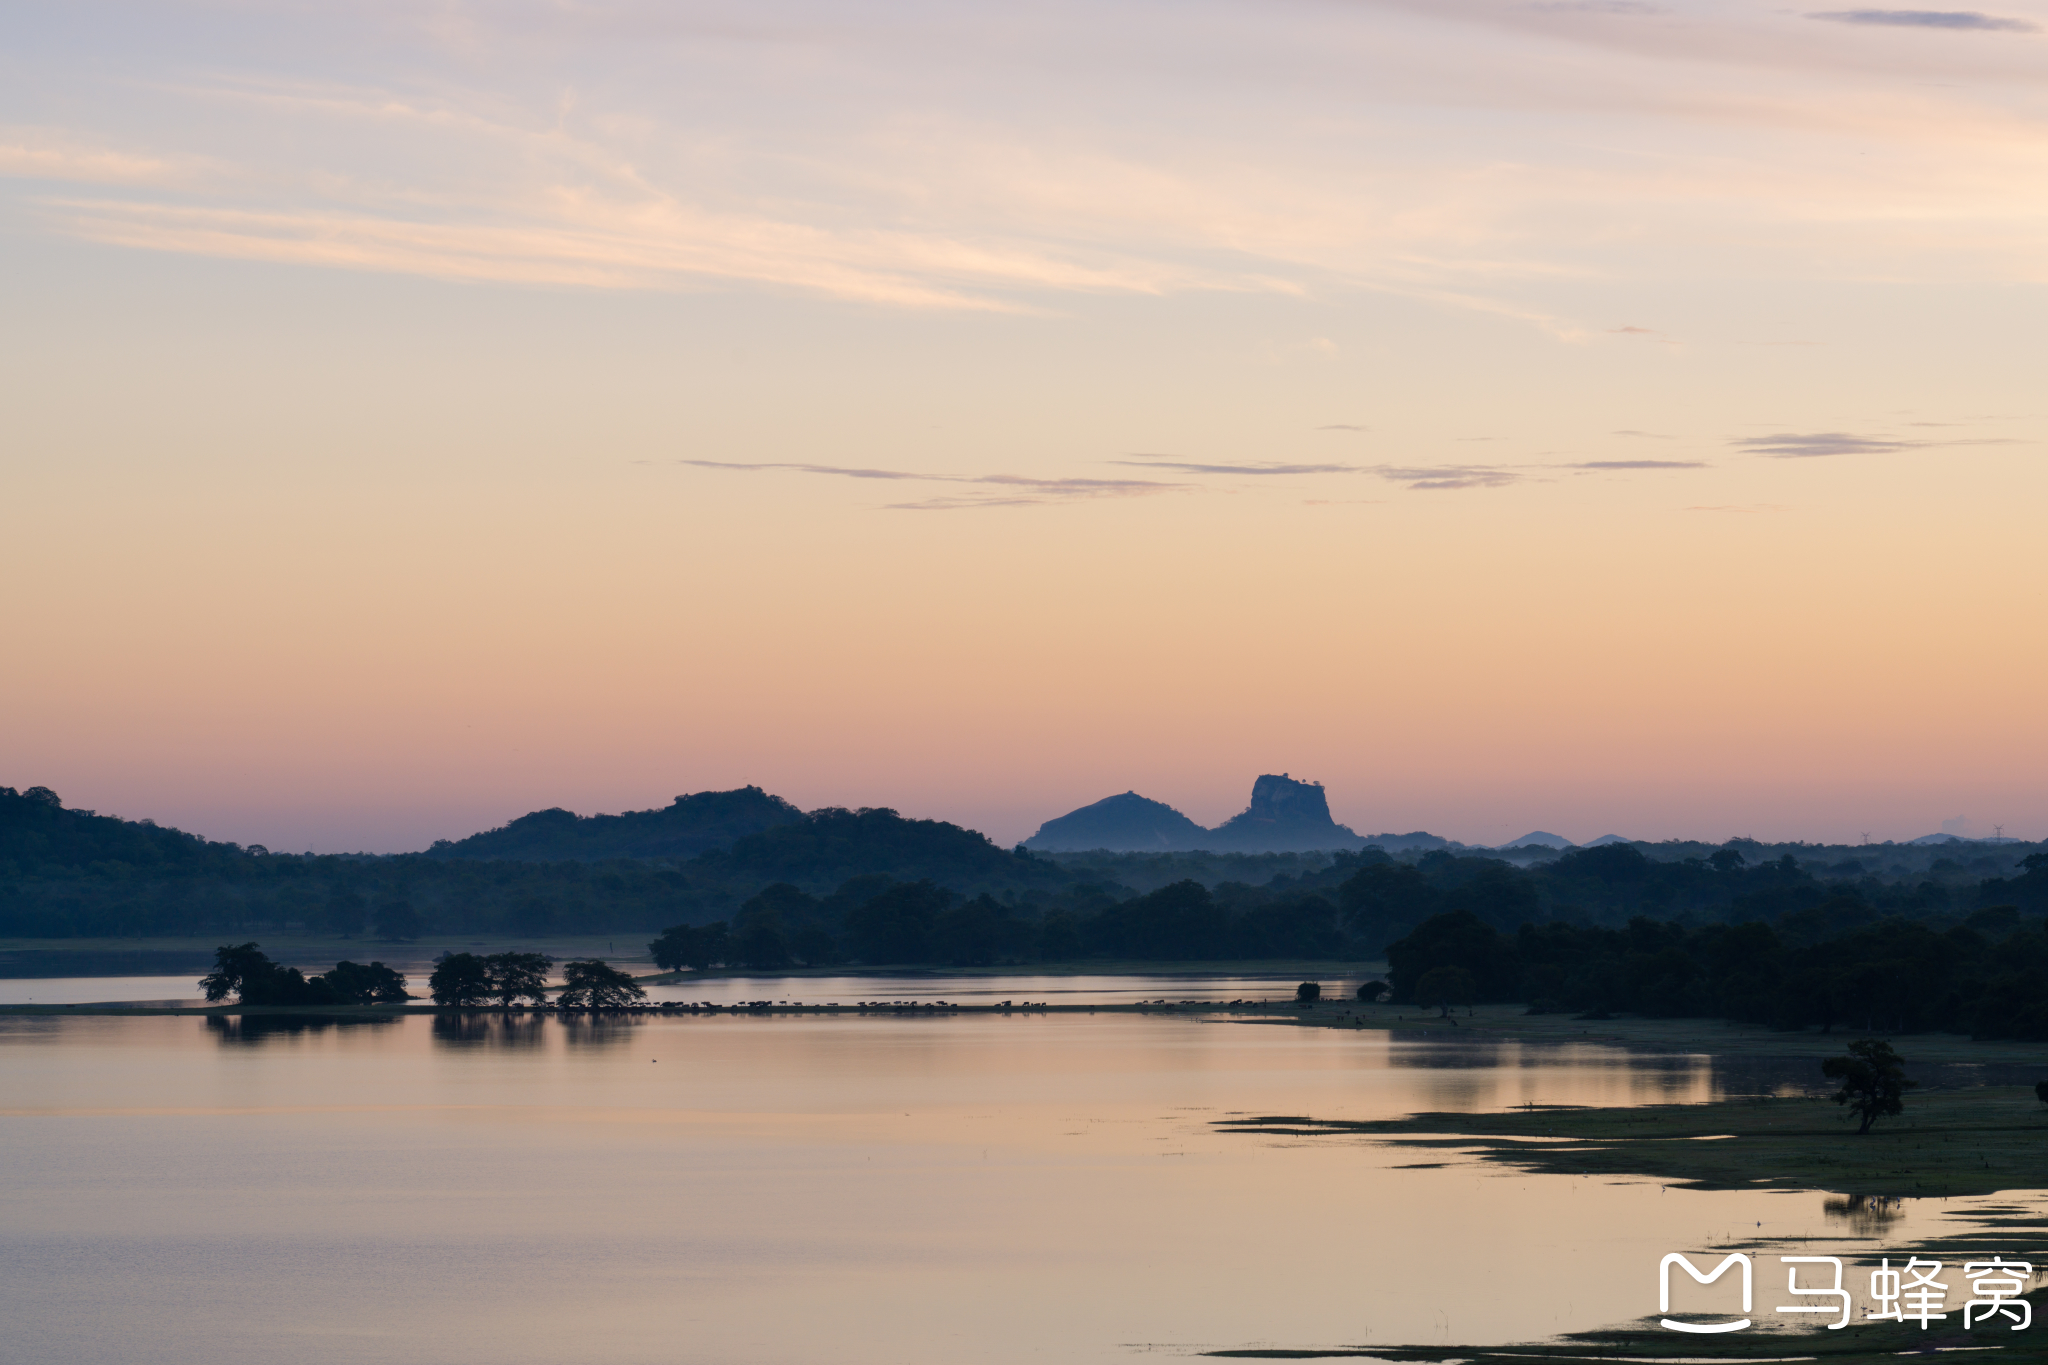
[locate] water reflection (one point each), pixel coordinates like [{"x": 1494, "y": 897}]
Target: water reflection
[
  {"x": 1865, "y": 1215},
  {"x": 863, "y": 1189},
  {"x": 496, "y": 1029},
  {"x": 594, "y": 1031},
  {"x": 232, "y": 1029}
]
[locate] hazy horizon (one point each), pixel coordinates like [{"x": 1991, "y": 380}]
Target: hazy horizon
[{"x": 1962, "y": 827}]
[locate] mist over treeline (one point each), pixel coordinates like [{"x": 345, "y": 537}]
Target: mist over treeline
[{"x": 840, "y": 886}]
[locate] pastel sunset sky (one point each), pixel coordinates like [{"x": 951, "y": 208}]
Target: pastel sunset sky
[{"x": 1596, "y": 417}]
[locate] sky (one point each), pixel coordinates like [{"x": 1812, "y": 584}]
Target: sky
[{"x": 1597, "y": 417}]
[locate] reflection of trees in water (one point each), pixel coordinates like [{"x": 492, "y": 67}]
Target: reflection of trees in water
[
  {"x": 229, "y": 1029},
  {"x": 1447, "y": 1056},
  {"x": 598, "y": 1030},
  {"x": 1867, "y": 1215},
  {"x": 488, "y": 1030}
]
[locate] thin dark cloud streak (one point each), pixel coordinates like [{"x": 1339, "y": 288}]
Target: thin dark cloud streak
[
  {"x": 1640, "y": 464},
  {"x": 1789, "y": 445},
  {"x": 1954, "y": 20},
  {"x": 1259, "y": 467},
  {"x": 1022, "y": 487}
]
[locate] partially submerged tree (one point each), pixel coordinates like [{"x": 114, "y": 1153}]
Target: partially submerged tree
[
  {"x": 1873, "y": 1080},
  {"x": 596, "y": 984},
  {"x": 232, "y": 965},
  {"x": 518, "y": 976},
  {"x": 375, "y": 984},
  {"x": 461, "y": 979}
]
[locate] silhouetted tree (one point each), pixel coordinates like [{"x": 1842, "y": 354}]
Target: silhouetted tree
[
  {"x": 230, "y": 966},
  {"x": 814, "y": 946},
  {"x": 760, "y": 947},
  {"x": 1873, "y": 1080},
  {"x": 595, "y": 984},
  {"x": 375, "y": 984},
  {"x": 1371, "y": 990},
  {"x": 518, "y": 976},
  {"x": 1308, "y": 992},
  {"x": 461, "y": 979},
  {"x": 683, "y": 945},
  {"x": 897, "y": 924},
  {"x": 1444, "y": 987}
]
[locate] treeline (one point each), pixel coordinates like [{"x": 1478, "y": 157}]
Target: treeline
[
  {"x": 871, "y": 886},
  {"x": 875, "y": 921},
  {"x": 71, "y": 873},
  {"x": 1986, "y": 975}
]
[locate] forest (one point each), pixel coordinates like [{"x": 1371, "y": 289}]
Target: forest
[{"x": 870, "y": 886}]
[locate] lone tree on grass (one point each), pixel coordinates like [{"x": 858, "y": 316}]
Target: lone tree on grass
[
  {"x": 597, "y": 985},
  {"x": 1873, "y": 1080},
  {"x": 1445, "y": 987},
  {"x": 1308, "y": 992}
]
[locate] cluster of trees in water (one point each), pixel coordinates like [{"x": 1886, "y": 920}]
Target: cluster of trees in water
[
  {"x": 247, "y": 973},
  {"x": 463, "y": 979}
]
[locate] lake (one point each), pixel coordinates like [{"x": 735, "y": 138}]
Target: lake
[{"x": 804, "y": 1188}]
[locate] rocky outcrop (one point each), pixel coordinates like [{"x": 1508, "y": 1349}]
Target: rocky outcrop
[{"x": 1285, "y": 816}]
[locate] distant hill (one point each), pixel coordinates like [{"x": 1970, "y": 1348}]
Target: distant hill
[
  {"x": 1125, "y": 823},
  {"x": 828, "y": 846},
  {"x": 1284, "y": 816},
  {"x": 1606, "y": 839},
  {"x": 38, "y": 834},
  {"x": 688, "y": 826},
  {"x": 1540, "y": 838}
]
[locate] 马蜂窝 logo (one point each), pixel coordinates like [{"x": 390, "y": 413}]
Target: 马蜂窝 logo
[{"x": 1910, "y": 1293}]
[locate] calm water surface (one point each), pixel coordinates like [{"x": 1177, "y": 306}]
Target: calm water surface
[{"x": 802, "y": 1189}]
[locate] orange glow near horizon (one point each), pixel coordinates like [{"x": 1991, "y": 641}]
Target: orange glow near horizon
[{"x": 1514, "y": 420}]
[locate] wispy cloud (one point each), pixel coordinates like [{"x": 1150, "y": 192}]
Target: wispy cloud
[
  {"x": 1343, "y": 426},
  {"x": 53, "y": 154},
  {"x": 1446, "y": 477},
  {"x": 1647, "y": 435},
  {"x": 1016, "y": 489},
  {"x": 1254, "y": 467},
  {"x": 598, "y": 245},
  {"x": 1639, "y": 464},
  {"x": 1738, "y": 507},
  {"x": 1810, "y": 445},
  {"x": 1927, "y": 18}
]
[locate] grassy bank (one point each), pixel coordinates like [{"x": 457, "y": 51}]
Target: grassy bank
[
  {"x": 1861, "y": 1342},
  {"x": 1948, "y": 1142}
]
